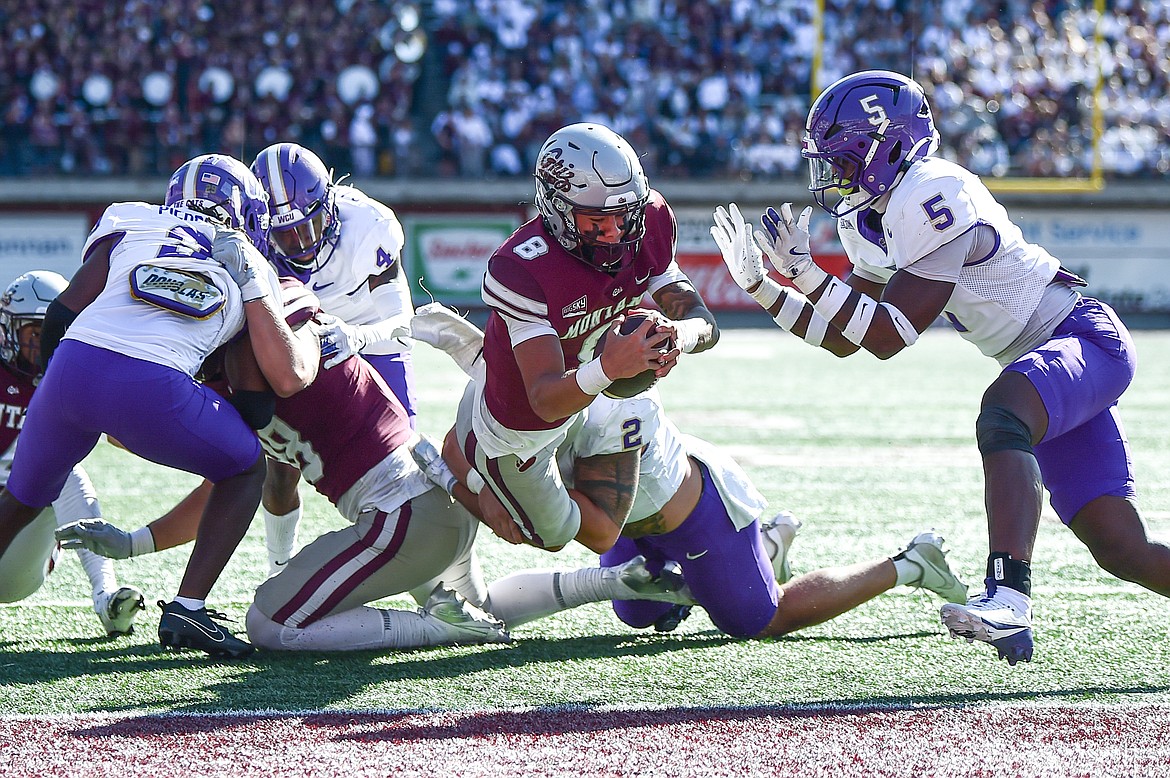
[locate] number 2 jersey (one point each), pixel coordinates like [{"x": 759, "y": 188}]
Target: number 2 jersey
[
  {"x": 161, "y": 256},
  {"x": 1006, "y": 301},
  {"x": 534, "y": 287}
]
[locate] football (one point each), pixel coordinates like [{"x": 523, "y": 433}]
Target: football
[{"x": 624, "y": 388}]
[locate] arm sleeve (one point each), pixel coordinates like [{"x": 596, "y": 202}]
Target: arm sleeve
[
  {"x": 394, "y": 314},
  {"x": 57, "y": 320}
]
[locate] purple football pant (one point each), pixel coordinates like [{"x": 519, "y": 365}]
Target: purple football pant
[
  {"x": 728, "y": 571},
  {"x": 397, "y": 370},
  {"x": 1080, "y": 373},
  {"x": 157, "y": 412}
]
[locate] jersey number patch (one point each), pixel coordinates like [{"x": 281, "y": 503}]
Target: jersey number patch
[{"x": 532, "y": 248}]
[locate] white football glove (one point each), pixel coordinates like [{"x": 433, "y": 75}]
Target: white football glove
[
  {"x": 430, "y": 460},
  {"x": 339, "y": 341},
  {"x": 98, "y": 536},
  {"x": 233, "y": 250},
  {"x": 786, "y": 243},
  {"x": 742, "y": 256}
]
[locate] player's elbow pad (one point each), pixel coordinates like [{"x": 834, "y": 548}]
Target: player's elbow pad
[
  {"x": 57, "y": 320},
  {"x": 256, "y": 408}
]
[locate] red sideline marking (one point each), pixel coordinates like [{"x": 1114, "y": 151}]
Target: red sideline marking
[{"x": 976, "y": 742}]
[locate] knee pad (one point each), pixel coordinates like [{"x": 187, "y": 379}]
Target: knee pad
[{"x": 998, "y": 429}]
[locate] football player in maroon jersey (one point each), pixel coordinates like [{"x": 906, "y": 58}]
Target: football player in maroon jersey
[
  {"x": 602, "y": 240},
  {"x": 32, "y": 555}
]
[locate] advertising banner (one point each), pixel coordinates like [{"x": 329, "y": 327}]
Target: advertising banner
[
  {"x": 34, "y": 241},
  {"x": 446, "y": 255}
]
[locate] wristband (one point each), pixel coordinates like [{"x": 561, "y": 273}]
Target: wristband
[
  {"x": 688, "y": 332},
  {"x": 141, "y": 541},
  {"x": 817, "y": 327},
  {"x": 475, "y": 481},
  {"x": 767, "y": 293},
  {"x": 859, "y": 322},
  {"x": 833, "y": 299},
  {"x": 902, "y": 324},
  {"x": 790, "y": 309},
  {"x": 591, "y": 377}
]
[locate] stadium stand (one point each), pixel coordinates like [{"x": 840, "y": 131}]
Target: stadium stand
[{"x": 469, "y": 88}]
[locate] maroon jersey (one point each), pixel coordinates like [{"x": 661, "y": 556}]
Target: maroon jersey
[
  {"x": 338, "y": 428},
  {"x": 532, "y": 278},
  {"x": 18, "y": 391}
]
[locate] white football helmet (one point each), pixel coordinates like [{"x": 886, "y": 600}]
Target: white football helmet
[
  {"x": 24, "y": 302},
  {"x": 587, "y": 171}
]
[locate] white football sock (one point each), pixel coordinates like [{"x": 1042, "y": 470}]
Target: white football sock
[
  {"x": 190, "y": 603},
  {"x": 280, "y": 536},
  {"x": 909, "y": 573},
  {"x": 359, "y": 629},
  {"x": 100, "y": 571},
  {"x": 533, "y": 594}
]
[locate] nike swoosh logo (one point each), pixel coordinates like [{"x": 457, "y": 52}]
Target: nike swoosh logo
[
  {"x": 217, "y": 636},
  {"x": 642, "y": 280},
  {"x": 318, "y": 287},
  {"x": 279, "y": 564},
  {"x": 696, "y": 556}
]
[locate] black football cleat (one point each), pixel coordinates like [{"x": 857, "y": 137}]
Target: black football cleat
[
  {"x": 182, "y": 628},
  {"x": 670, "y": 620}
]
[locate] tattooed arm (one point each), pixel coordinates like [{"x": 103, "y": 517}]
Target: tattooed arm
[
  {"x": 694, "y": 327},
  {"x": 604, "y": 489}
]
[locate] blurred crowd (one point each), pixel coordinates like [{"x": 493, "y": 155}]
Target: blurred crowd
[{"x": 470, "y": 88}]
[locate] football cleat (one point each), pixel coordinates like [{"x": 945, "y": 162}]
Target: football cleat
[
  {"x": 926, "y": 552},
  {"x": 997, "y": 618},
  {"x": 117, "y": 609},
  {"x": 182, "y": 628},
  {"x": 777, "y": 534},
  {"x": 669, "y": 621},
  {"x": 446, "y": 330},
  {"x": 632, "y": 581},
  {"x": 462, "y": 622}
]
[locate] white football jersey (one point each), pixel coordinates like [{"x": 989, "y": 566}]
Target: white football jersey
[
  {"x": 370, "y": 242},
  {"x": 936, "y": 202},
  {"x": 612, "y": 426},
  {"x": 175, "y": 239}
]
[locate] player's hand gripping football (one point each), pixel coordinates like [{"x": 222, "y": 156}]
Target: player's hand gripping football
[
  {"x": 740, "y": 253},
  {"x": 627, "y": 355},
  {"x": 786, "y": 243}
]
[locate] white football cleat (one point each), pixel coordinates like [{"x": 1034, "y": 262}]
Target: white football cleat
[
  {"x": 632, "y": 581},
  {"x": 927, "y": 553},
  {"x": 116, "y": 610},
  {"x": 1002, "y": 618},
  {"x": 446, "y": 330},
  {"x": 460, "y": 622},
  {"x": 778, "y": 533}
]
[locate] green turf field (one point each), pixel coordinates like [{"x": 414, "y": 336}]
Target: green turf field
[{"x": 866, "y": 452}]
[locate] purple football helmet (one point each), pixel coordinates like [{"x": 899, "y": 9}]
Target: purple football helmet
[
  {"x": 862, "y": 133},
  {"x": 223, "y": 188},
  {"x": 304, "y": 209}
]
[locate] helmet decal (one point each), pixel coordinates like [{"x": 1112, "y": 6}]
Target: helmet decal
[{"x": 862, "y": 133}]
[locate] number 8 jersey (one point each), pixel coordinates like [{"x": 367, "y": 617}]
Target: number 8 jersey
[{"x": 535, "y": 287}]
